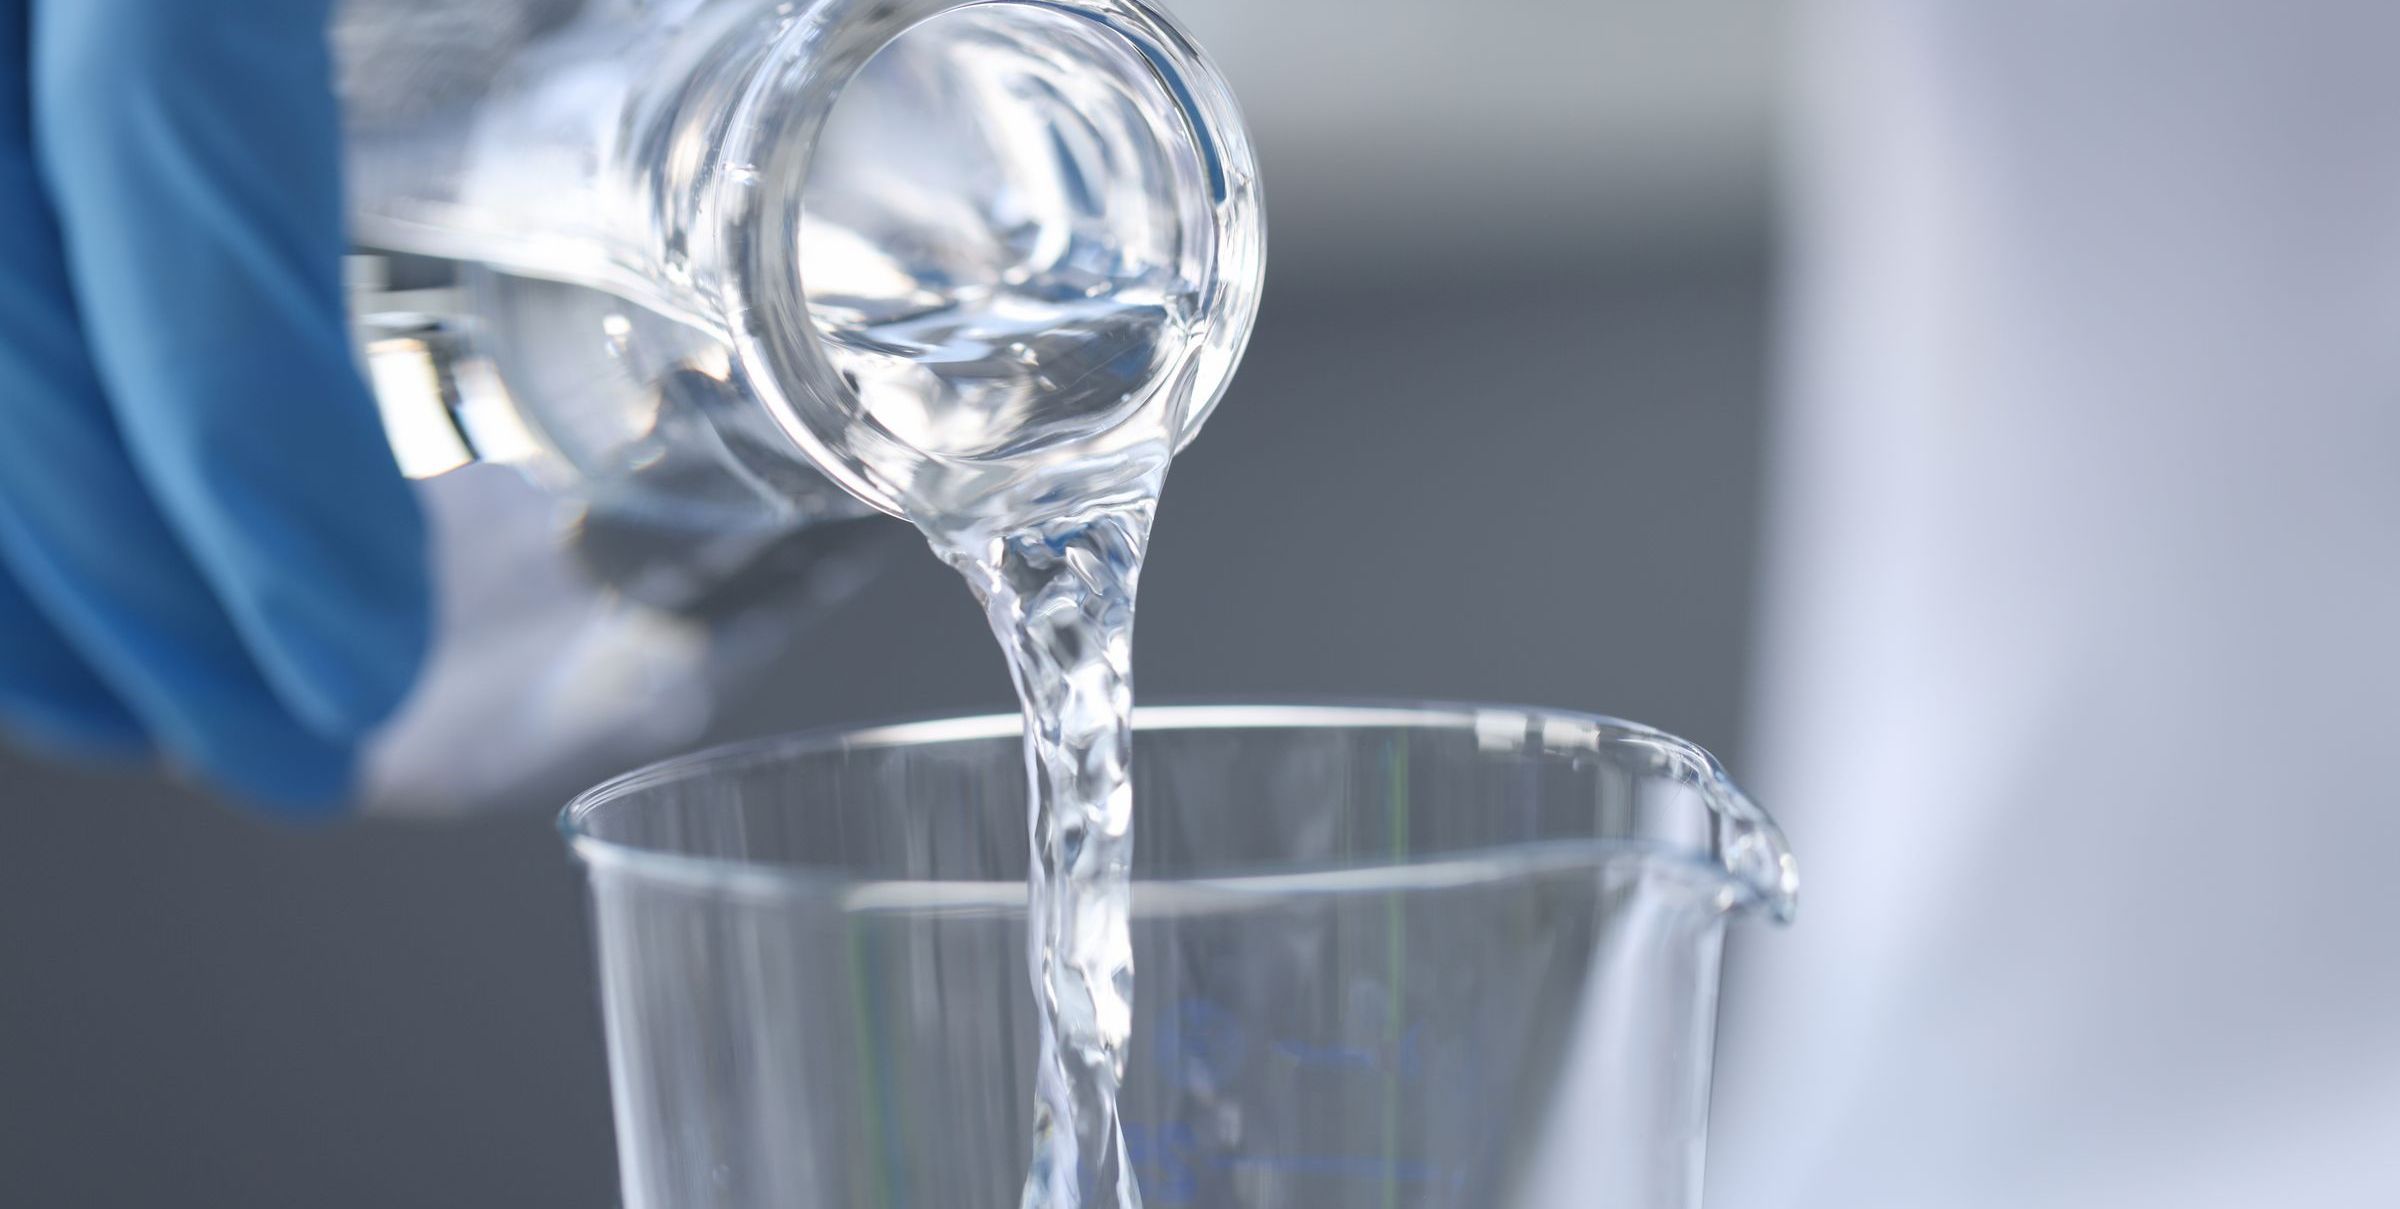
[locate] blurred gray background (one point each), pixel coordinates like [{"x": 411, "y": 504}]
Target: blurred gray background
[{"x": 1496, "y": 438}]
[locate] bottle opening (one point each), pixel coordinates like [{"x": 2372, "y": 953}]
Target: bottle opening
[
  {"x": 1021, "y": 232},
  {"x": 999, "y": 242}
]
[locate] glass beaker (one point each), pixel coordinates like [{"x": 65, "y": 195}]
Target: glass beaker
[{"x": 1392, "y": 957}]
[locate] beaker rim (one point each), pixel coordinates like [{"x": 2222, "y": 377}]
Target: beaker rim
[{"x": 1749, "y": 858}]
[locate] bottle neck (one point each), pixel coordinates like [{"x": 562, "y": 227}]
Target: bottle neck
[{"x": 907, "y": 244}]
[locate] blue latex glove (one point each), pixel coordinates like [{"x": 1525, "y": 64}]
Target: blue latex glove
[{"x": 206, "y": 551}]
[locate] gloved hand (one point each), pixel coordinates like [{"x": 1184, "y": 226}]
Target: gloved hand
[{"x": 206, "y": 551}]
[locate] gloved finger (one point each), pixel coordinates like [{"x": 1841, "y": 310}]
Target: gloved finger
[
  {"x": 49, "y": 695},
  {"x": 191, "y": 149},
  {"x": 90, "y": 548},
  {"x": 87, "y": 544}
]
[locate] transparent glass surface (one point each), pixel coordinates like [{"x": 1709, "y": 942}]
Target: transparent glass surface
[{"x": 1434, "y": 956}]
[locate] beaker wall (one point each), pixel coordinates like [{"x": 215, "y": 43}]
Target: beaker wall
[{"x": 1440, "y": 957}]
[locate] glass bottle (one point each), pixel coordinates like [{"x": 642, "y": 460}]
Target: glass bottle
[{"x": 722, "y": 277}]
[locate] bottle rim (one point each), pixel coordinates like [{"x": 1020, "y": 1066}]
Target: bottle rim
[{"x": 760, "y": 175}]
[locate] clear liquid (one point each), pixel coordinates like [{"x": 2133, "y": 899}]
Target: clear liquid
[
  {"x": 993, "y": 251},
  {"x": 1060, "y": 597}
]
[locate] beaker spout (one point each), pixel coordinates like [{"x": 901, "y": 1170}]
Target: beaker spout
[{"x": 1755, "y": 855}]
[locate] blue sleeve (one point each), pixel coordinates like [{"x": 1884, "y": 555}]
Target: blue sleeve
[{"x": 195, "y": 493}]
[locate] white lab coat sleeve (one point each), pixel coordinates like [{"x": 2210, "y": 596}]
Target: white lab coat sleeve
[{"x": 2080, "y": 679}]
